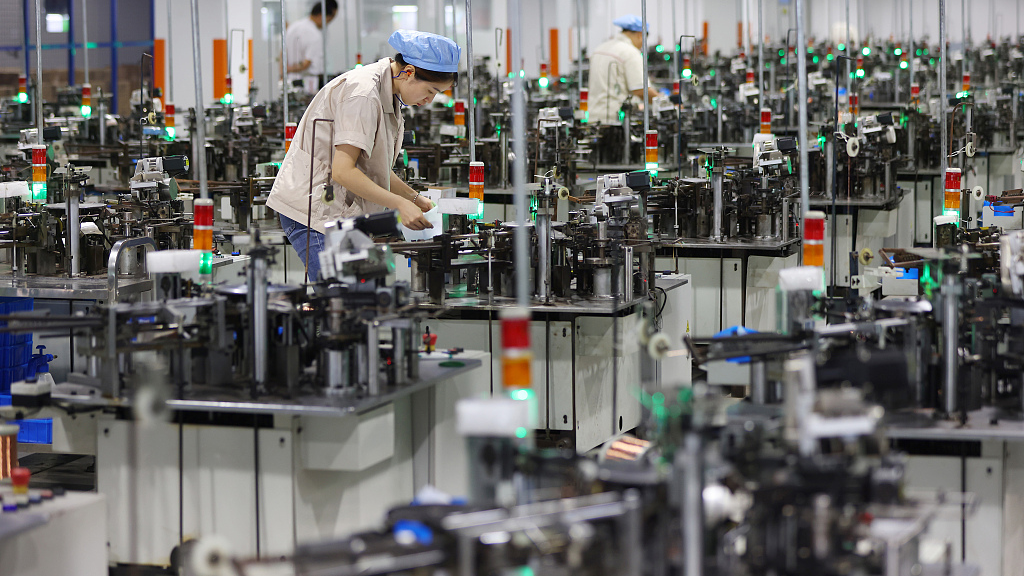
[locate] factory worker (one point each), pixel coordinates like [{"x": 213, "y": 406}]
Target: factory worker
[
  {"x": 617, "y": 71},
  {"x": 304, "y": 45},
  {"x": 364, "y": 108}
]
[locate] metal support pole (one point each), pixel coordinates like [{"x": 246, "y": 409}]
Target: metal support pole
[
  {"x": 71, "y": 43},
  {"x": 284, "y": 67},
  {"x": 85, "y": 37},
  {"x": 912, "y": 51},
  {"x": 199, "y": 137},
  {"x": 646, "y": 100},
  {"x": 258, "y": 292},
  {"x": 521, "y": 239},
  {"x": 717, "y": 181},
  {"x": 74, "y": 230},
  {"x": 169, "y": 96},
  {"x": 849, "y": 47},
  {"x": 801, "y": 63},
  {"x": 323, "y": 37},
  {"x": 760, "y": 54},
  {"x": 39, "y": 71},
  {"x": 114, "y": 59},
  {"x": 579, "y": 52},
  {"x": 691, "y": 460},
  {"x": 943, "y": 104},
  {"x": 471, "y": 103},
  {"x": 950, "y": 343}
]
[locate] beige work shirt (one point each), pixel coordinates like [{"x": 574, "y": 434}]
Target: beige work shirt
[
  {"x": 616, "y": 69},
  {"x": 366, "y": 114}
]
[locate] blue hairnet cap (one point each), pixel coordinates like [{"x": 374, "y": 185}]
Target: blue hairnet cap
[
  {"x": 630, "y": 22},
  {"x": 426, "y": 50}
]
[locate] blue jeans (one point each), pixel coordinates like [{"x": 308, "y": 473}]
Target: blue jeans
[{"x": 297, "y": 235}]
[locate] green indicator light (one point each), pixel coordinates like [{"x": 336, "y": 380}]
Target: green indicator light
[
  {"x": 171, "y": 132},
  {"x": 714, "y": 103},
  {"x": 925, "y": 51},
  {"x": 522, "y": 394},
  {"x": 829, "y": 57},
  {"x": 91, "y": 45},
  {"x": 543, "y": 82},
  {"x": 562, "y": 80},
  {"x": 687, "y": 73},
  {"x": 86, "y": 111},
  {"x": 39, "y": 191},
  {"x": 860, "y": 73},
  {"x": 359, "y": 65},
  {"x": 520, "y": 432},
  {"x": 206, "y": 263},
  {"x": 668, "y": 57},
  {"x": 842, "y": 47},
  {"x": 658, "y": 398},
  {"x": 227, "y": 99},
  {"x": 622, "y": 115},
  {"x": 810, "y": 49},
  {"x": 450, "y": 103},
  {"x": 659, "y": 48},
  {"x": 898, "y": 52},
  {"x": 931, "y": 61},
  {"x": 866, "y": 51},
  {"x": 22, "y": 97},
  {"x": 711, "y": 73},
  {"x": 903, "y": 65},
  {"x": 782, "y": 52},
  {"x": 522, "y": 73},
  {"x": 814, "y": 59},
  {"x": 678, "y": 47},
  {"x": 782, "y": 62},
  {"x": 586, "y": 116}
]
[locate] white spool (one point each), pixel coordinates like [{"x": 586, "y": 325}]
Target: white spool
[
  {"x": 659, "y": 346},
  {"x": 853, "y": 147}
]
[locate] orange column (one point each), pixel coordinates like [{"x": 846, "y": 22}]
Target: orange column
[
  {"x": 159, "y": 64},
  {"x": 508, "y": 52},
  {"x": 739, "y": 35},
  {"x": 220, "y": 67},
  {"x": 250, "y": 65},
  {"x": 554, "y": 53},
  {"x": 705, "y": 44}
]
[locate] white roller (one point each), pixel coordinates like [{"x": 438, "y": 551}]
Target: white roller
[
  {"x": 211, "y": 556},
  {"x": 659, "y": 346},
  {"x": 977, "y": 192},
  {"x": 970, "y": 149},
  {"x": 853, "y": 147},
  {"x": 940, "y": 220},
  {"x": 890, "y": 134},
  {"x": 172, "y": 261}
]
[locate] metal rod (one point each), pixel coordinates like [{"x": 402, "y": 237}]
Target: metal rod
[
  {"x": 323, "y": 37},
  {"x": 760, "y": 54},
  {"x": 521, "y": 239},
  {"x": 39, "y": 71},
  {"x": 849, "y": 45},
  {"x": 200, "y": 133},
  {"x": 646, "y": 100},
  {"x": 950, "y": 324},
  {"x": 74, "y": 230},
  {"x": 471, "y": 104},
  {"x": 691, "y": 461},
  {"x": 284, "y": 68},
  {"x": 85, "y": 37},
  {"x": 801, "y": 63},
  {"x": 943, "y": 137},
  {"x": 912, "y": 52},
  {"x": 579, "y": 53},
  {"x": 359, "y": 29}
]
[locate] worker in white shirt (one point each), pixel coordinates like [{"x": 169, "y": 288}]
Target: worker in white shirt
[
  {"x": 304, "y": 42},
  {"x": 617, "y": 71},
  {"x": 365, "y": 107}
]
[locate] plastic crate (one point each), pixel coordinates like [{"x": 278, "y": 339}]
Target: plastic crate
[
  {"x": 11, "y": 305},
  {"x": 35, "y": 431},
  {"x": 10, "y": 375},
  {"x": 15, "y": 355},
  {"x": 39, "y": 431}
]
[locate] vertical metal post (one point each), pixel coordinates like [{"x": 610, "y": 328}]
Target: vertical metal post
[
  {"x": 359, "y": 27},
  {"x": 913, "y": 53},
  {"x": 801, "y": 63},
  {"x": 74, "y": 231},
  {"x": 71, "y": 43},
  {"x": 943, "y": 104},
  {"x": 24, "y": 37},
  {"x": 647, "y": 102},
  {"x": 323, "y": 37},
  {"x": 521, "y": 240},
  {"x": 199, "y": 138},
  {"x": 760, "y": 54},
  {"x": 849, "y": 47},
  {"x": 691, "y": 460},
  {"x": 169, "y": 54},
  {"x": 39, "y": 71},
  {"x": 284, "y": 67},
  {"x": 950, "y": 327},
  {"x": 85, "y": 37},
  {"x": 579, "y": 52},
  {"x": 114, "y": 60},
  {"x": 471, "y": 107}
]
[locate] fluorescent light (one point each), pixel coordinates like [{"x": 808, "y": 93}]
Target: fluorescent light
[{"x": 404, "y": 9}]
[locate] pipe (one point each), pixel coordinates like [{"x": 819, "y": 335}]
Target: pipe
[
  {"x": 691, "y": 461},
  {"x": 200, "y": 136},
  {"x": 943, "y": 137},
  {"x": 521, "y": 240},
  {"x": 717, "y": 177},
  {"x": 646, "y": 99},
  {"x": 801, "y": 63},
  {"x": 168, "y": 54},
  {"x": 950, "y": 340},
  {"x": 849, "y": 46},
  {"x": 85, "y": 38},
  {"x": 471, "y": 108},
  {"x": 323, "y": 38},
  {"x": 39, "y": 71},
  {"x": 760, "y": 55},
  {"x": 579, "y": 53},
  {"x": 910, "y": 21},
  {"x": 258, "y": 300},
  {"x": 284, "y": 67},
  {"x": 74, "y": 230}
]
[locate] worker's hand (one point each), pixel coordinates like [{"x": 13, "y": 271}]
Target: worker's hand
[
  {"x": 423, "y": 203},
  {"x": 412, "y": 216}
]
